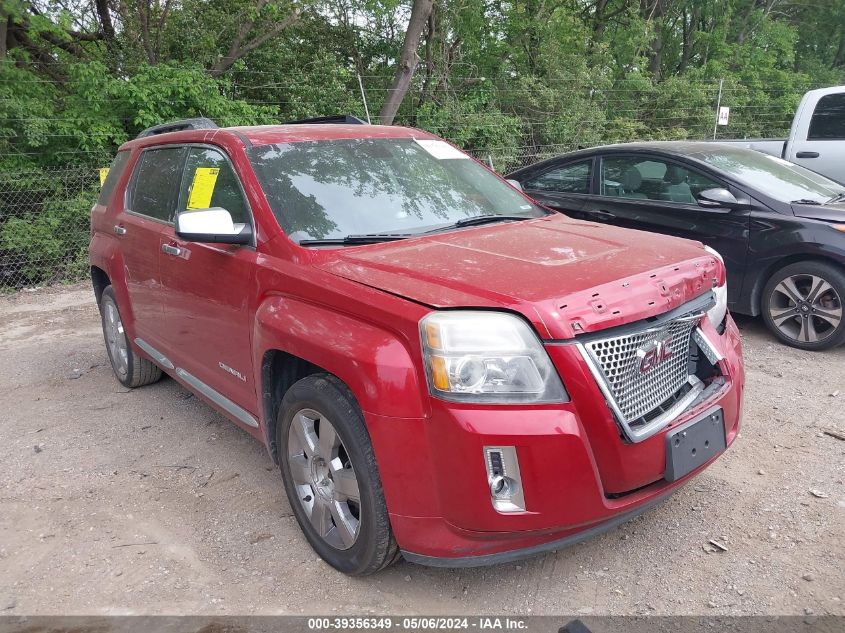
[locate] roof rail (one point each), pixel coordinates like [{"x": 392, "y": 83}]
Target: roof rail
[
  {"x": 337, "y": 118},
  {"x": 200, "y": 123}
]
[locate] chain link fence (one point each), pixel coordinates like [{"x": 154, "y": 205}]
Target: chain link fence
[
  {"x": 44, "y": 225},
  {"x": 507, "y": 159}
]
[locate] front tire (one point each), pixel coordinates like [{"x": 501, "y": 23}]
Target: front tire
[
  {"x": 331, "y": 477},
  {"x": 130, "y": 369},
  {"x": 802, "y": 305}
]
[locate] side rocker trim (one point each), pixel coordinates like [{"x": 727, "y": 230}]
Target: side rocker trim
[
  {"x": 156, "y": 355},
  {"x": 217, "y": 398},
  {"x": 212, "y": 394}
]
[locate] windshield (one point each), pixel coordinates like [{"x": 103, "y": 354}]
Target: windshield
[
  {"x": 778, "y": 178},
  {"x": 332, "y": 189}
]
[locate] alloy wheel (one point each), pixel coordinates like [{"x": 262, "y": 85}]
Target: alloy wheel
[
  {"x": 805, "y": 308},
  {"x": 324, "y": 479},
  {"x": 115, "y": 338}
]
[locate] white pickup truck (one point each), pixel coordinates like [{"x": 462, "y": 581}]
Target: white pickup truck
[{"x": 817, "y": 137}]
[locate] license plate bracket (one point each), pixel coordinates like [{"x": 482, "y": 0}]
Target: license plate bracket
[{"x": 694, "y": 443}]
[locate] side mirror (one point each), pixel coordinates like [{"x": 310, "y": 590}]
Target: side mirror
[
  {"x": 514, "y": 183},
  {"x": 718, "y": 198},
  {"x": 211, "y": 226}
]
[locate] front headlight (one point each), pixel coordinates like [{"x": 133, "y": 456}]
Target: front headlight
[
  {"x": 487, "y": 357},
  {"x": 717, "y": 313}
]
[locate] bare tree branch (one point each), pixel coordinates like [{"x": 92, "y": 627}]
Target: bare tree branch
[{"x": 240, "y": 47}]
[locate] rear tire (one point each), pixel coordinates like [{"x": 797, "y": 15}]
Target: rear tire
[
  {"x": 130, "y": 369},
  {"x": 331, "y": 476},
  {"x": 802, "y": 304}
]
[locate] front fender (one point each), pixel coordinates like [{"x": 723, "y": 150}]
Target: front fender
[{"x": 375, "y": 363}]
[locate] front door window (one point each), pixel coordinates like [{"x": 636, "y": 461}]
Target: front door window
[{"x": 652, "y": 179}]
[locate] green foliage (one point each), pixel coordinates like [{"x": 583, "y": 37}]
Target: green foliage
[
  {"x": 85, "y": 119},
  {"x": 50, "y": 244}
]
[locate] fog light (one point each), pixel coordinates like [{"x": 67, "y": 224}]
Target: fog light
[
  {"x": 499, "y": 486},
  {"x": 504, "y": 479}
]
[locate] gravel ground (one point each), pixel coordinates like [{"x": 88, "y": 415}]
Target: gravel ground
[{"x": 148, "y": 502}]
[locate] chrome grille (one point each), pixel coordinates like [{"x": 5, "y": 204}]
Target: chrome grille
[{"x": 618, "y": 360}]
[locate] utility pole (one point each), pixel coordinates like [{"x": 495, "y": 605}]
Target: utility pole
[
  {"x": 718, "y": 105},
  {"x": 364, "y": 97}
]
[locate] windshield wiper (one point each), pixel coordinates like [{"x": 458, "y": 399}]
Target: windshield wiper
[
  {"x": 806, "y": 201},
  {"x": 350, "y": 240},
  {"x": 839, "y": 197},
  {"x": 482, "y": 219}
]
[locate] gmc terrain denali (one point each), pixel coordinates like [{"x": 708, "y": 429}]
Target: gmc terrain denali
[{"x": 439, "y": 366}]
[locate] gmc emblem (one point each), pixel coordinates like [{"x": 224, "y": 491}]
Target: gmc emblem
[{"x": 654, "y": 353}]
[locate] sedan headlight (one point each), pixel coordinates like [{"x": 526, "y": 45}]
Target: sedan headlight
[
  {"x": 487, "y": 357},
  {"x": 717, "y": 313}
]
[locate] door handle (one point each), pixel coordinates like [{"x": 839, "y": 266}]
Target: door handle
[
  {"x": 603, "y": 215},
  {"x": 119, "y": 230},
  {"x": 807, "y": 155},
  {"x": 171, "y": 250}
]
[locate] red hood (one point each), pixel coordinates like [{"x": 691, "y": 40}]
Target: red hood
[{"x": 563, "y": 275}]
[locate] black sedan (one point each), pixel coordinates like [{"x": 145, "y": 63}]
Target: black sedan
[{"x": 779, "y": 227}]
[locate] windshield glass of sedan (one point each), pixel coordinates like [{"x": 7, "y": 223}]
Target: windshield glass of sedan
[
  {"x": 332, "y": 189},
  {"x": 778, "y": 178}
]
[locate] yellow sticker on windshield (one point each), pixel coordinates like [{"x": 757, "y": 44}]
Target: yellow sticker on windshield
[
  {"x": 203, "y": 187},
  {"x": 104, "y": 171}
]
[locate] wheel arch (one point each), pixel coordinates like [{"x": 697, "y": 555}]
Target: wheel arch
[
  {"x": 766, "y": 274},
  {"x": 294, "y": 339},
  {"x": 279, "y": 372},
  {"x": 107, "y": 265},
  {"x": 100, "y": 281}
]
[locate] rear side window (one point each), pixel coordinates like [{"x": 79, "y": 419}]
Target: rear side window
[
  {"x": 156, "y": 184},
  {"x": 828, "y": 122},
  {"x": 573, "y": 178},
  {"x": 209, "y": 181},
  {"x": 115, "y": 172}
]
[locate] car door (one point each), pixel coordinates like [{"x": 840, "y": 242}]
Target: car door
[
  {"x": 207, "y": 287},
  {"x": 818, "y": 142},
  {"x": 657, "y": 194},
  {"x": 150, "y": 200},
  {"x": 562, "y": 187}
]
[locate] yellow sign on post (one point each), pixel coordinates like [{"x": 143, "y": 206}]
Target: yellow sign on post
[
  {"x": 203, "y": 187},
  {"x": 104, "y": 171}
]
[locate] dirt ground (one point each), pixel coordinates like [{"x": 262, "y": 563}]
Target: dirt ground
[{"x": 148, "y": 502}]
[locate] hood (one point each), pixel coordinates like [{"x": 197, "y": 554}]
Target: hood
[
  {"x": 565, "y": 276},
  {"x": 826, "y": 212}
]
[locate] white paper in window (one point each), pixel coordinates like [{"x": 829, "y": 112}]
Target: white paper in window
[{"x": 440, "y": 149}]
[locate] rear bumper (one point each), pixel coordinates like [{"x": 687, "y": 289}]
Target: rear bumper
[{"x": 579, "y": 477}]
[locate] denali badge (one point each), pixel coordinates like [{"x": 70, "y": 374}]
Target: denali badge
[
  {"x": 234, "y": 372},
  {"x": 654, "y": 353}
]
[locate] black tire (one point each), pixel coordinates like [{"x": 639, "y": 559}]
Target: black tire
[
  {"x": 374, "y": 547},
  {"x": 817, "y": 322},
  {"x": 133, "y": 371}
]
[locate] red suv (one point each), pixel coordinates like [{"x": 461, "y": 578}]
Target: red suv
[{"x": 440, "y": 367}]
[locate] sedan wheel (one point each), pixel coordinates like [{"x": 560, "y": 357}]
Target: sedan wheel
[
  {"x": 805, "y": 305},
  {"x": 325, "y": 481}
]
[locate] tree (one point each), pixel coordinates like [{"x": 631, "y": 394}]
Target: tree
[
  {"x": 408, "y": 61},
  {"x": 246, "y": 40}
]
